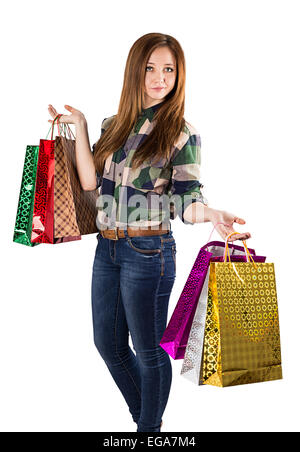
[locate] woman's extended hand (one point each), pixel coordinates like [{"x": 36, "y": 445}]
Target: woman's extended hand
[
  {"x": 217, "y": 216},
  {"x": 76, "y": 117}
]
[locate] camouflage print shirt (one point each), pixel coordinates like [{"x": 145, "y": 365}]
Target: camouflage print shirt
[{"x": 149, "y": 195}]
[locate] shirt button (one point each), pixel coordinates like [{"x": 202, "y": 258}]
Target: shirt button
[{"x": 120, "y": 174}]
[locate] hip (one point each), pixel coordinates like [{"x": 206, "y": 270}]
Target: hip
[{"x": 145, "y": 255}]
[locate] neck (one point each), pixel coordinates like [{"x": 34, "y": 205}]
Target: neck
[{"x": 152, "y": 104}]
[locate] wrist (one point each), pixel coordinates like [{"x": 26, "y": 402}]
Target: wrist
[
  {"x": 81, "y": 123},
  {"x": 198, "y": 212},
  {"x": 209, "y": 213}
]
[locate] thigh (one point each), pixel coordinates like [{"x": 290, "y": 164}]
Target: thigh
[
  {"x": 109, "y": 320},
  {"x": 147, "y": 278}
]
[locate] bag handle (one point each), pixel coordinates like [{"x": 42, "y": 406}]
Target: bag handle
[
  {"x": 226, "y": 251},
  {"x": 67, "y": 128},
  {"x": 67, "y": 131},
  {"x": 61, "y": 127},
  {"x": 214, "y": 229},
  {"x": 231, "y": 263},
  {"x": 52, "y": 127},
  {"x": 225, "y": 224}
]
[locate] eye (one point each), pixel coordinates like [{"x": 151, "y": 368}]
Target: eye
[{"x": 151, "y": 67}]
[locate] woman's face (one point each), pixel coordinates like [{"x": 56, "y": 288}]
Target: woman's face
[{"x": 160, "y": 73}]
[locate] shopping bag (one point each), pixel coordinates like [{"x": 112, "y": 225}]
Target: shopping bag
[
  {"x": 176, "y": 334},
  {"x": 236, "y": 339},
  {"x": 23, "y": 223},
  {"x": 193, "y": 354},
  {"x": 63, "y": 211}
]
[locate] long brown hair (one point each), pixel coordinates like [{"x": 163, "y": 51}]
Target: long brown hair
[{"x": 169, "y": 120}]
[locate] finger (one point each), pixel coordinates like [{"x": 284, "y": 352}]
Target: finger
[
  {"x": 52, "y": 111},
  {"x": 69, "y": 108},
  {"x": 62, "y": 118},
  {"x": 239, "y": 220},
  {"x": 227, "y": 229},
  {"x": 51, "y": 108},
  {"x": 224, "y": 231},
  {"x": 240, "y": 236},
  {"x": 235, "y": 235}
]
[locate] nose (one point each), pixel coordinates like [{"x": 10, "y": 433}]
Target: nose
[{"x": 160, "y": 78}]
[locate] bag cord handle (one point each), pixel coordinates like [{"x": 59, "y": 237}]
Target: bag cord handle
[
  {"x": 231, "y": 263},
  {"x": 245, "y": 247},
  {"x": 61, "y": 127}
]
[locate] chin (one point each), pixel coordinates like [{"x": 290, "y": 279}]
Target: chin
[{"x": 157, "y": 96}]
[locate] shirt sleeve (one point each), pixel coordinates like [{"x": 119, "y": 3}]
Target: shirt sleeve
[
  {"x": 185, "y": 186},
  {"x": 98, "y": 175}
]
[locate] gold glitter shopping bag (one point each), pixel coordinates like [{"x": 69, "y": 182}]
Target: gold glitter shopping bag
[{"x": 242, "y": 338}]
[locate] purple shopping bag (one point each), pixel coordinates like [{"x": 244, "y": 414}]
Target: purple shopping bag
[
  {"x": 175, "y": 337},
  {"x": 173, "y": 340}
]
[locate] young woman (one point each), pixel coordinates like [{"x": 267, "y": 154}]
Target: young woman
[{"x": 146, "y": 164}]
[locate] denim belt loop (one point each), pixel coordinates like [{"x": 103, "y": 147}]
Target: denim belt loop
[
  {"x": 125, "y": 232},
  {"x": 161, "y": 242}
]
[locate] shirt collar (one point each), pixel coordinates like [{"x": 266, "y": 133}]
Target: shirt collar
[{"x": 149, "y": 112}]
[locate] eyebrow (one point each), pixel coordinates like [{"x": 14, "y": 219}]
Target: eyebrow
[{"x": 167, "y": 64}]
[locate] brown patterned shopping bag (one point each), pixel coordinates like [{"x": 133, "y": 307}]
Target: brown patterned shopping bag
[{"x": 74, "y": 208}]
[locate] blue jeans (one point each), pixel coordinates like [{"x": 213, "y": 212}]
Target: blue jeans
[{"x": 131, "y": 286}]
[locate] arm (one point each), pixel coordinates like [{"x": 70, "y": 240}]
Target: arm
[
  {"x": 104, "y": 126},
  {"x": 186, "y": 188},
  {"x": 186, "y": 195},
  {"x": 84, "y": 157},
  {"x": 197, "y": 213},
  {"x": 105, "y": 123}
]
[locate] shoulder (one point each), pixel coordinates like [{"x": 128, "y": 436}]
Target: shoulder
[
  {"x": 188, "y": 136},
  {"x": 190, "y": 129},
  {"x": 107, "y": 122},
  {"x": 104, "y": 126}
]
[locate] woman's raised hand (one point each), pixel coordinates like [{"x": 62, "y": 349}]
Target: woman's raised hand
[
  {"x": 76, "y": 117},
  {"x": 217, "y": 216}
]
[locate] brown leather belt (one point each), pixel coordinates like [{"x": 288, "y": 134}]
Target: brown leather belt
[{"x": 115, "y": 234}]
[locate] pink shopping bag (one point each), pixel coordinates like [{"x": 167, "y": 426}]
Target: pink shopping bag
[{"x": 175, "y": 337}]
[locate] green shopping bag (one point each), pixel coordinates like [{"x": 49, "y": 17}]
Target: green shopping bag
[{"x": 23, "y": 223}]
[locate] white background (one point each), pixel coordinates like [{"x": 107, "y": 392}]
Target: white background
[{"x": 242, "y": 95}]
